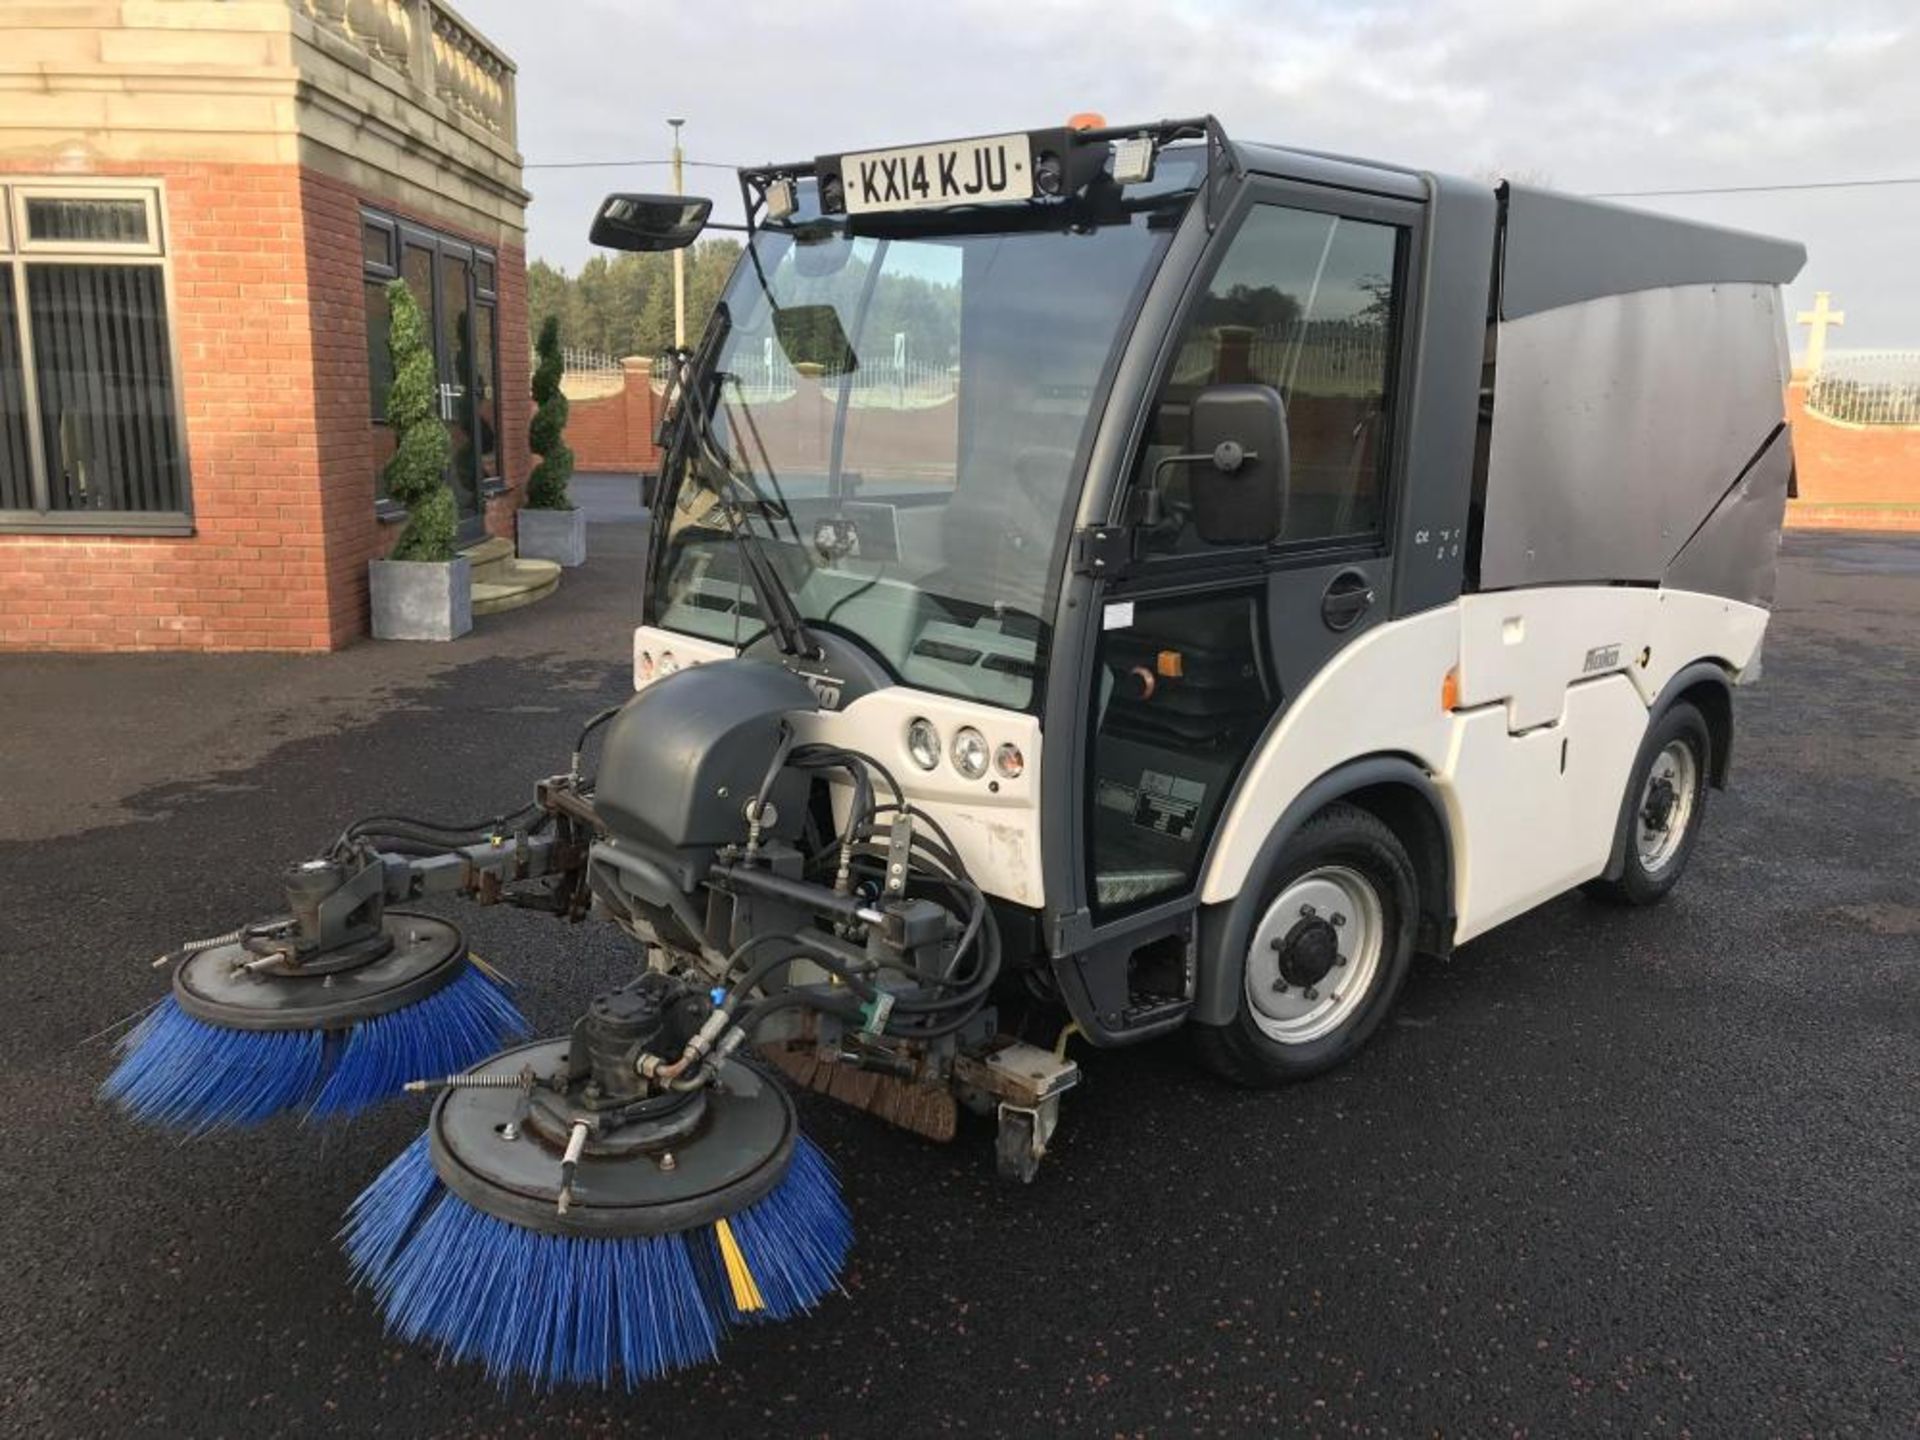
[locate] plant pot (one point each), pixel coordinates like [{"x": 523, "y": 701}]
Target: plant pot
[
  {"x": 421, "y": 599},
  {"x": 557, "y": 535}
]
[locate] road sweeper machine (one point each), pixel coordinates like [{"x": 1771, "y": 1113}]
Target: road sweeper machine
[{"x": 1104, "y": 579}]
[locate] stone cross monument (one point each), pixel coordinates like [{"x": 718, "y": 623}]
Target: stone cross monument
[{"x": 1817, "y": 320}]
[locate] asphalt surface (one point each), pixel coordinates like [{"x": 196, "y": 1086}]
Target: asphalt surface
[{"x": 1605, "y": 1173}]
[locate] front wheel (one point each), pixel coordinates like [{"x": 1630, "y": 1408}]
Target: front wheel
[
  {"x": 1327, "y": 957},
  {"x": 1669, "y": 787}
]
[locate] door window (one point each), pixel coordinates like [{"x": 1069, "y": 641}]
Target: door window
[
  {"x": 1304, "y": 301},
  {"x": 1181, "y": 695}
]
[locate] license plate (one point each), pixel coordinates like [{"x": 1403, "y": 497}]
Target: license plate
[{"x": 919, "y": 177}]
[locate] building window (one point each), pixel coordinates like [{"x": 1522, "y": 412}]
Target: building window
[{"x": 90, "y": 429}]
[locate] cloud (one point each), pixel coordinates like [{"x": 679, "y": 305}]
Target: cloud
[{"x": 1598, "y": 94}]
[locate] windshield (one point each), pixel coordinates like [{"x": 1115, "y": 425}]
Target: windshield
[{"x": 908, "y": 401}]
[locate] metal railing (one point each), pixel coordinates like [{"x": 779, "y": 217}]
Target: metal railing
[
  {"x": 905, "y": 384},
  {"x": 1320, "y": 357},
  {"x": 1867, "y": 387},
  {"x": 579, "y": 361},
  {"x": 587, "y": 373}
]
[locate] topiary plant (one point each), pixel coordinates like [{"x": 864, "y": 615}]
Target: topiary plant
[
  {"x": 416, "y": 475},
  {"x": 547, "y": 488}
]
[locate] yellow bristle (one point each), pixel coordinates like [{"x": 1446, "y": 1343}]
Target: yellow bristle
[{"x": 746, "y": 1294}]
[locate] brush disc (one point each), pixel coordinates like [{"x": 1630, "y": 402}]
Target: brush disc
[
  {"x": 711, "y": 1155},
  {"x": 424, "y": 954},
  {"x": 231, "y": 1047}
]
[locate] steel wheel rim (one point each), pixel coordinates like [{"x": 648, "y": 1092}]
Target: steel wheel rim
[
  {"x": 1288, "y": 1012},
  {"x": 1660, "y": 825}
]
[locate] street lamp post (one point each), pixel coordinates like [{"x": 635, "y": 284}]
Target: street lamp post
[{"x": 679, "y": 256}]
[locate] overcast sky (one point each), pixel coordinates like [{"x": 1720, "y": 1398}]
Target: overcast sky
[{"x": 1594, "y": 95}]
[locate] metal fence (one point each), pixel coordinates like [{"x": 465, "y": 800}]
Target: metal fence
[
  {"x": 1319, "y": 357},
  {"x": 588, "y": 372},
  {"x": 901, "y": 384},
  {"x": 588, "y": 362},
  {"x": 1867, "y": 387}
]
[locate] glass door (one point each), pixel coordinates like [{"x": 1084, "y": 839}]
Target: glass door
[
  {"x": 454, "y": 324},
  {"x": 453, "y": 284}
]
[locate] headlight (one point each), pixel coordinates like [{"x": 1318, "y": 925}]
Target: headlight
[
  {"x": 1009, "y": 761},
  {"x": 667, "y": 663},
  {"x": 970, "y": 752},
  {"x": 923, "y": 744}
]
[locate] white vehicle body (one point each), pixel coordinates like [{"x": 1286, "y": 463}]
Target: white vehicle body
[{"x": 1583, "y": 469}]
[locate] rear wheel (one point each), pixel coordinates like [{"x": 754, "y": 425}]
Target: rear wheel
[
  {"x": 1327, "y": 956},
  {"x": 1669, "y": 787}
]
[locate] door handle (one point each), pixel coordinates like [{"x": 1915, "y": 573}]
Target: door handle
[{"x": 1348, "y": 596}]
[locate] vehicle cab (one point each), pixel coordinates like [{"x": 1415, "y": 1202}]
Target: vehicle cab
[{"x": 1133, "y": 488}]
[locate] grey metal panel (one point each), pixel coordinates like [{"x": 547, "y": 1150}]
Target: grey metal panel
[
  {"x": 1448, "y": 342},
  {"x": 1562, "y": 249},
  {"x": 1619, "y": 423},
  {"x": 1736, "y": 548}
]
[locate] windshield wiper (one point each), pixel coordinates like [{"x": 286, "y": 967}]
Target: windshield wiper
[{"x": 776, "y": 602}]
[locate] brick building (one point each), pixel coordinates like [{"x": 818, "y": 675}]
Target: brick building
[{"x": 200, "y": 201}]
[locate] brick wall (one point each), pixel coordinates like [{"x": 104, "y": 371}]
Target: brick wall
[
  {"x": 1853, "y": 475},
  {"x": 253, "y": 573},
  {"x": 268, "y": 312},
  {"x": 615, "y": 432}
]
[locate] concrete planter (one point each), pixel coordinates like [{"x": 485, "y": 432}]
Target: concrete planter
[
  {"x": 421, "y": 599},
  {"x": 557, "y": 535}
]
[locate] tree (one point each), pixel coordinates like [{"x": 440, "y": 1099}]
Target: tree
[
  {"x": 623, "y": 304},
  {"x": 548, "y": 293},
  {"x": 417, "y": 474},
  {"x": 547, "y": 489}
]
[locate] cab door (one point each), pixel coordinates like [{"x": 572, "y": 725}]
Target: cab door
[{"x": 1202, "y": 645}]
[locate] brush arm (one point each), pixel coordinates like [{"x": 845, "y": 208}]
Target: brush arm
[
  {"x": 337, "y": 905},
  {"x": 478, "y": 871}
]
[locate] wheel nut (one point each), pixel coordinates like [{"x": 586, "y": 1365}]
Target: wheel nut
[
  {"x": 667, "y": 1162},
  {"x": 1307, "y": 912},
  {"x": 1339, "y": 959},
  {"x": 1280, "y": 987},
  {"x": 1338, "y": 920},
  {"x": 1312, "y": 994}
]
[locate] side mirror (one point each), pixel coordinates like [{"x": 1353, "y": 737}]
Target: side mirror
[
  {"x": 1240, "y": 465},
  {"x": 650, "y": 222}
]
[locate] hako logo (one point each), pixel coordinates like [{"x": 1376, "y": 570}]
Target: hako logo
[{"x": 826, "y": 688}]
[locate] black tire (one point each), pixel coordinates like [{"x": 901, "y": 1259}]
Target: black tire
[
  {"x": 1640, "y": 884},
  {"x": 1351, "y": 838}
]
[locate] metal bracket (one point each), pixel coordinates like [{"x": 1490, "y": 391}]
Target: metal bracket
[
  {"x": 1021, "y": 1143},
  {"x": 1220, "y": 169},
  {"x": 1102, "y": 550},
  {"x": 899, "y": 852}
]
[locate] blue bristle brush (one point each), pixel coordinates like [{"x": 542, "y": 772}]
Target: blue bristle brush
[
  {"x": 232, "y": 1047},
  {"x": 556, "y": 1296}
]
